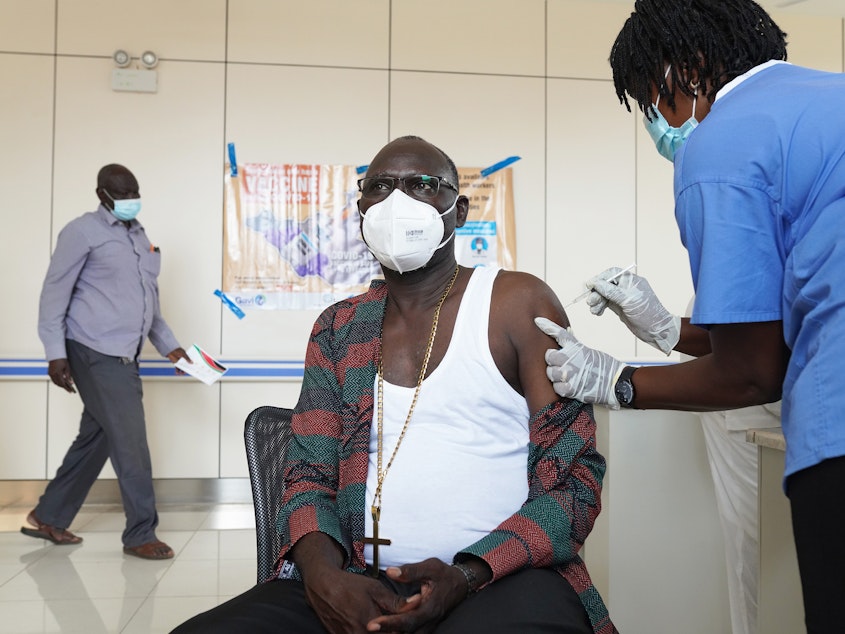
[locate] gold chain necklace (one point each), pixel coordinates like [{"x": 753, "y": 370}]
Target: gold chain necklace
[{"x": 376, "y": 508}]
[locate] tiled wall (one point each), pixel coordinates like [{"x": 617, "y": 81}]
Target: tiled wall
[
  {"x": 328, "y": 81},
  {"x": 323, "y": 81}
]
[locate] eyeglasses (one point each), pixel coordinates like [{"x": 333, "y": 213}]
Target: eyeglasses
[{"x": 419, "y": 186}]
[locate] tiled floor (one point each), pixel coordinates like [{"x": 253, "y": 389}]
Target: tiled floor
[{"x": 94, "y": 588}]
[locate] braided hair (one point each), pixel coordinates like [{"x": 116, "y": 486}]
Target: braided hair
[{"x": 714, "y": 40}]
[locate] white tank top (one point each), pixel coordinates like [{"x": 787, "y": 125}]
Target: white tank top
[{"x": 462, "y": 467}]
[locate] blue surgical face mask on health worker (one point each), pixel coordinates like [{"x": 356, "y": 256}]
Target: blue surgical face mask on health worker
[
  {"x": 668, "y": 139},
  {"x": 125, "y": 209}
]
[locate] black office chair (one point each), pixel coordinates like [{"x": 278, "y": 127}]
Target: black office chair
[{"x": 267, "y": 433}]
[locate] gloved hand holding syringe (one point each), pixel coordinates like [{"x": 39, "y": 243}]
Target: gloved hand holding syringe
[
  {"x": 631, "y": 297},
  {"x": 611, "y": 279},
  {"x": 579, "y": 372}
]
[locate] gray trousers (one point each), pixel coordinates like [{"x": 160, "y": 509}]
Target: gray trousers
[{"x": 112, "y": 426}]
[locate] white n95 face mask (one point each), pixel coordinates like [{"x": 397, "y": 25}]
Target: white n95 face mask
[{"x": 402, "y": 232}]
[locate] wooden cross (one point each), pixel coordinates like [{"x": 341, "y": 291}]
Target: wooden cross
[{"x": 374, "y": 541}]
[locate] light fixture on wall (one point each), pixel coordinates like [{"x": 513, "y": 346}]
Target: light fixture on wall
[
  {"x": 149, "y": 60},
  {"x": 121, "y": 58},
  {"x": 135, "y": 79}
]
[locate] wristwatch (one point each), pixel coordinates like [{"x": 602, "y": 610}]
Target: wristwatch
[{"x": 624, "y": 388}]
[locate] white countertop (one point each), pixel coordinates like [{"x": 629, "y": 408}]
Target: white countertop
[{"x": 771, "y": 437}]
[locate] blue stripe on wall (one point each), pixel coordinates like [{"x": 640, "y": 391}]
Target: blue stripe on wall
[{"x": 237, "y": 369}]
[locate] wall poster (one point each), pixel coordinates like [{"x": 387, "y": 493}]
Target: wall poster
[{"x": 292, "y": 237}]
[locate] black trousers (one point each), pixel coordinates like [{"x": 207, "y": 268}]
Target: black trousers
[
  {"x": 535, "y": 601},
  {"x": 817, "y": 498}
]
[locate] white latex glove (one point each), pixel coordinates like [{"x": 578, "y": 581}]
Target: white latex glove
[
  {"x": 631, "y": 298},
  {"x": 577, "y": 371}
]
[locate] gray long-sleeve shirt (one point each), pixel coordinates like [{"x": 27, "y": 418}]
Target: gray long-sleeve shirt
[{"x": 101, "y": 290}]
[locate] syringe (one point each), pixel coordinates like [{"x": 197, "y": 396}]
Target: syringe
[{"x": 613, "y": 277}]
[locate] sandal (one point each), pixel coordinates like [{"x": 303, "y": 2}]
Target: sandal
[
  {"x": 150, "y": 550},
  {"x": 59, "y": 536}
]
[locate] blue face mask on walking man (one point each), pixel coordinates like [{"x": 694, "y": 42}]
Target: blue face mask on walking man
[
  {"x": 124, "y": 209},
  {"x": 667, "y": 138}
]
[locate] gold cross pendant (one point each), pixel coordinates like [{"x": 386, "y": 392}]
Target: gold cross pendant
[{"x": 374, "y": 541}]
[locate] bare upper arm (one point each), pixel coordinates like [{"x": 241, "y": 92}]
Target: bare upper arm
[{"x": 517, "y": 345}]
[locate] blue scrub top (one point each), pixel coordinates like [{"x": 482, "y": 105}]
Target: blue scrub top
[{"x": 760, "y": 204}]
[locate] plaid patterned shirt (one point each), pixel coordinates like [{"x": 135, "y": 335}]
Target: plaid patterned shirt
[{"x": 325, "y": 472}]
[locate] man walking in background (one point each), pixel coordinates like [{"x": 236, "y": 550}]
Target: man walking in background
[{"x": 98, "y": 304}]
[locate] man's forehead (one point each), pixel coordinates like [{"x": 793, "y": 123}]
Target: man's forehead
[
  {"x": 122, "y": 179},
  {"x": 408, "y": 157}
]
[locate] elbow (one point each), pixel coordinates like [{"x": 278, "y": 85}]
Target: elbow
[
  {"x": 767, "y": 394},
  {"x": 764, "y": 388}
]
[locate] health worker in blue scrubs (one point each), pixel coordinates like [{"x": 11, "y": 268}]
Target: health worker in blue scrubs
[{"x": 759, "y": 151}]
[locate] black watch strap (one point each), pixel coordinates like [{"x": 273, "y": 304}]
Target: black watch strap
[{"x": 624, "y": 388}]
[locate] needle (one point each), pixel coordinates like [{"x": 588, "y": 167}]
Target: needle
[{"x": 613, "y": 277}]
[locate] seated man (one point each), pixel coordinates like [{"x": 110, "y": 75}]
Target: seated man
[{"x": 435, "y": 481}]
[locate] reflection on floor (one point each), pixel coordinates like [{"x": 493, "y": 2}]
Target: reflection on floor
[{"x": 93, "y": 587}]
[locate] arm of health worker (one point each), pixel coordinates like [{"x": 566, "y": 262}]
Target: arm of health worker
[{"x": 746, "y": 366}]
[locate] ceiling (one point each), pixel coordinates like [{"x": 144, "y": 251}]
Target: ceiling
[{"x": 834, "y": 8}]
